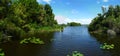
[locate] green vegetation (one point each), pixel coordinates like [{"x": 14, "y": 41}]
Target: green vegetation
[
  {"x": 76, "y": 53},
  {"x": 50, "y": 29},
  {"x": 63, "y": 24},
  {"x": 31, "y": 40},
  {"x": 73, "y": 24},
  {"x": 21, "y": 18},
  {"x": 107, "y": 46},
  {"x": 108, "y": 21},
  {"x": 1, "y": 53}
]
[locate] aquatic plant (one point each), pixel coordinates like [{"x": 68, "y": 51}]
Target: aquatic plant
[
  {"x": 1, "y": 53},
  {"x": 52, "y": 39},
  {"x": 107, "y": 46},
  {"x": 31, "y": 40},
  {"x": 76, "y": 53}
]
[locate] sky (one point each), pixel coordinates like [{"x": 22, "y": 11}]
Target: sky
[{"x": 81, "y": 11}]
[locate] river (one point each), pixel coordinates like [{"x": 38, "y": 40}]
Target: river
[{"x": 75, "y": 38}]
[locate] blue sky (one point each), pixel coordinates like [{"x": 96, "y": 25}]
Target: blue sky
[{"x": 82, "y": 11}]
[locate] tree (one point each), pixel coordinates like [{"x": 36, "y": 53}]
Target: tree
[
  {"x": 103, "y": 9},
  {"x": 49, "y": 15},
  {"x": 108, "y": 20},
  {"x": 4, "y": 8},
  {"x": 73, "y": 24},
  {"x": 110, "y": 11},
  {"x": 41, "y": 16},
  {"x": 24, "y": 17}
]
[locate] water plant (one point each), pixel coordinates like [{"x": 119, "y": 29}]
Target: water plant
[
  {"x": 107, "y": 46},
  {"x": 76, "y": 53},
  {"x": 1, "y": 53},
  {"x": 31, "y": 40}
]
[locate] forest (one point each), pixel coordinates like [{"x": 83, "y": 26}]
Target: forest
[
  {"x": 73, "y": 24},
  {"x": 107, "y": 22},
  {"x": 25, "y": 18}
]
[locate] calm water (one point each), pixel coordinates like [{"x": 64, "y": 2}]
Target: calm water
[{"x": 62, "y": 43}]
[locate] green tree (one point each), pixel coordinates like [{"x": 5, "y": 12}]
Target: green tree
[
  {"x": 49, "y": 15},
  {"x": 108, "y": 20},
  {"x": 73, "y": 24},
  {"x": 103, "y": 10},
  {"x": 22, "y": 18},
  {"x": 4, "y": 8}
]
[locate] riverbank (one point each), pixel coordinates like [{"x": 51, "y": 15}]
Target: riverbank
[
  {"x": 51, "y": 29},
  {"x": 107, "y": 22},
  {"x": 18, "y": 33}
]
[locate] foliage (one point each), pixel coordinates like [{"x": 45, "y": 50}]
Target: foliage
[
  {"x": 109, "y": 19},
  {"x": 4, "y": 8},
  {"x": 1, "y": 53},
  {"x": 73, "y": 24},
  {"x": 0, "y": 36},
  {"x": 31, "y": 40},
  {"x": 64, "y": 25},
  {"x": 76, "y": 53},
  {"x": 107, "y": 46},
  {"x": 19, "y": 17}
]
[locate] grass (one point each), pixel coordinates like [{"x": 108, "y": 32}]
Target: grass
[
  {"x": 107, "y": 46},
  {"x": 1, "y": 53},
  {"x": 31, "y": 40},
  {"x": 76, "y": 53},
  {"x": 50, "y": 29}
]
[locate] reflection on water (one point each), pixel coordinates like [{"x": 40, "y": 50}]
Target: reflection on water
[
  {"x": 63, "y": 43},
  {"x": 111, "y": 40}
]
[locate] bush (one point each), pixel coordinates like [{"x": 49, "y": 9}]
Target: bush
[{"x": 1, "y": 53}]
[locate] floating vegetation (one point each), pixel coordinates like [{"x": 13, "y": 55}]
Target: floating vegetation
[
  {"x": 107, "y": 46},
  {"x": 76, "y": 53},
  {"x": 52, "y": 39},
  {"x": 1, "y": 53},
  {"x": 31, "y": 40}
]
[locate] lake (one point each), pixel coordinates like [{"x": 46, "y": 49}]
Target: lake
[{"x": 76, "y": 38}]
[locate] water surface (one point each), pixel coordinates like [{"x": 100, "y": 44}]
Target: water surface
[{"x": 75, "y": 38}]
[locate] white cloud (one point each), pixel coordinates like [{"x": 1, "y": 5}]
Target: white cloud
[
  {"x": 61, "y": 19},
  {"x": 65, "y": 20},
  {"x": 82, "y": 21},
  {"x": 105, "y": 0},
  {"x": 74, "y": 11},
  {"x": 47, "y": 1},
  {"x": 39, "y": 1},
  {"x": 98, "y": 2},
  {"x": 105, "y": 6}
]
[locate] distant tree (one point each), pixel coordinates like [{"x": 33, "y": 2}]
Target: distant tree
[{"x": 73, "y": 24}]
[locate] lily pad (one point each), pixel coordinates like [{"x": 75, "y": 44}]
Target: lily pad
[
  {"x": 107, "y": 46},
  {"x": 31, "y": 40}
]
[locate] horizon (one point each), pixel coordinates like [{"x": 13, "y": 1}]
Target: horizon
[{"x": 80, "y": 11}]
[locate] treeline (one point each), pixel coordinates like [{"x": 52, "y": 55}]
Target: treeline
[
  {"x": 73, "y": 24},
  {"x": 108, "y": 21},
  {"x": 24, "y": 17}
]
